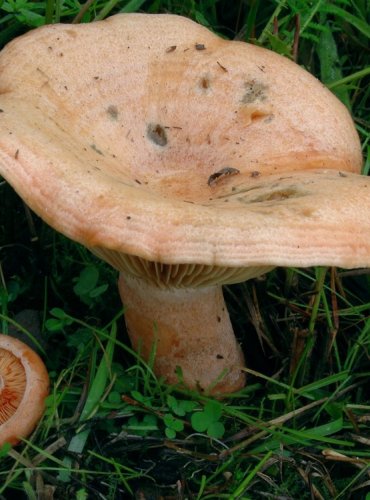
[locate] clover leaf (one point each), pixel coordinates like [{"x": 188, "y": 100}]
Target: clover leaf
[
  {"x": 208, "y": 420},
  {"x": 173, "y": 425}
]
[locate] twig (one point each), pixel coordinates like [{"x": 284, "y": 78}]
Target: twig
[
  {"x": 51, "y": 449},
  {"x": 296, "y": 37},
  {"x": 268, "y": 426},
  {"x": 340, "y": 457},
  {"x": 82, "y": 11},
  {"x": 30, "y": 223}
]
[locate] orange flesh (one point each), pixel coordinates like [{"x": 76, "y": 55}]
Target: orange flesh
[{"x": 12, "y": 384}]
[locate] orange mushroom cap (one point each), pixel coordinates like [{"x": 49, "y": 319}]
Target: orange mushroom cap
[
  {"x": 24, "y": 385},
  {"x": 125, "y": 145}
]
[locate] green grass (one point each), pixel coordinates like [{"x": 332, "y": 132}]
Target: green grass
[{"x": 300, "y": 428}]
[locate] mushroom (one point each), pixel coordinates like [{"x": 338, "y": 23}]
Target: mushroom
[
  {"x": 187, "y": 162},
  {"x": 24, "y": 385}
]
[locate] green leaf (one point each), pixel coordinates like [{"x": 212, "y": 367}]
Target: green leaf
[
  {"x": 143, "y": 427},
  {"x": 358, "y": 23},
  {"x": 208, "y": 418},
  {"x": 216, "y": 430},
  {"x": 200, "y": 18},
  {"x": 144, "y": 400},
  {"x": 326, "y": 429},
  {"x": 81, "y": 494},
  {"x": 28, "y": 490},
  {"x": 99, "y": 290},
  {"x": 187, "y": 406},
  {"x": 213, "y": 410},
  {"x": 243, "y": 485},
  {"x": 31, "y": 18},
  {"x": 200, "y": 421},
  {"x": 335, "y": 410},
  {"x": 132, "y": 6},
  {"x": 79, "y": 338},
  {"x": 13, "y": 289},
  {"x": 54, "y": 325},
  {"x": 173, "y": 423},
  {"x": 312, "y": 435},
  {"x": 87, "y": 281},
  {"x": 178, "y": 425},
  {"x": 167, "y": 419},
  {"x": 78, "y": 441},
  {"x": 279, "y": 46},
  {"x": 170, "y": 433},
  {"x": 171, "y": 402},
  {"x": 58, "y": 313},
  {"x": 114, "y": 397},
  {"x": 151, "y": 420},
  {"x": 101, "y": 377},
  {"x": 330, "y": 66},
  {"x": 180, "y": 408},
  {"x": 124, "y": 383},
  {"x": 4, "y": 449}
]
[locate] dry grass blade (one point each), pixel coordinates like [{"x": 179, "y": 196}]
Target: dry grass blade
[{"x": 269, "y": 425}]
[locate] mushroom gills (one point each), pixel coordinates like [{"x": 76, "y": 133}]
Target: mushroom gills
[
  {"x": 24, "y": 385},
  {"x": 12, "y": 384}
]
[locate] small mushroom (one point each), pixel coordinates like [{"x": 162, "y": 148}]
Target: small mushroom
[
  {"x": 24, "y": 385},
  {"x": 152, "y": 197}
]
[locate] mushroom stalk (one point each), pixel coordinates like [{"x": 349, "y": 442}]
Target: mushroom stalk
[{"x": 188, "y": 328}]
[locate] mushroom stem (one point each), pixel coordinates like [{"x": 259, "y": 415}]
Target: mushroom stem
[{"x": 189, "y": 328}]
